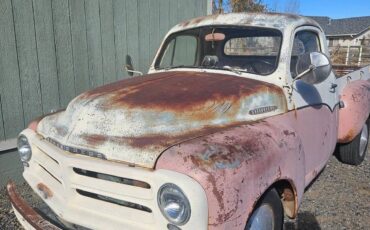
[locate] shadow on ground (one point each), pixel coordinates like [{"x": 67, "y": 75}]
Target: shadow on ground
[{"x": 304, "y": 221}]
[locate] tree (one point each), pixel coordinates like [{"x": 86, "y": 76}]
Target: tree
[
  {"x": 292, "y": 6},
  {"x": 221, "y": 6},
  {"x": 289, "y": 6},
  {"x": 247, "y": 6}
]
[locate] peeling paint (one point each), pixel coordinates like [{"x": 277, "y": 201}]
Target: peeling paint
[{"x": 134, "y": 120}]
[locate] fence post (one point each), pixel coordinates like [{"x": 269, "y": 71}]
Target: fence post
[
  {"x": 359, "y": 56},
  {"x": 347, "y": 56}
]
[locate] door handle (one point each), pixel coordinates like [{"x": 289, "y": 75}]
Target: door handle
[{"x": 333, "y": 87}]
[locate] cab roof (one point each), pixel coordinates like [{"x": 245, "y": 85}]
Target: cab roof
[{"x": 278, "y": 21}]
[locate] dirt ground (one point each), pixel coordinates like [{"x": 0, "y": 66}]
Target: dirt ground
[{"x": 338, "y": 199}]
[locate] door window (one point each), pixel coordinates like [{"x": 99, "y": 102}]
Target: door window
[{"x": 304, "y": 42}]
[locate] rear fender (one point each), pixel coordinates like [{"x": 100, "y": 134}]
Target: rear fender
[
  {"x": 236, "y": 166},
  {"x": 356, "y": 99}
]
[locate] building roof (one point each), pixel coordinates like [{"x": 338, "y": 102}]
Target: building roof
[{"x": 344, "y": 26}]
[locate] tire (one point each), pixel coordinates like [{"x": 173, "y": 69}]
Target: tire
[
  {"x": 353, "y": 153},
  {"x": 268, "y": 214}
]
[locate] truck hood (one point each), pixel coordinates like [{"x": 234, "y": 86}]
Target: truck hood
[{"x": 135, "y": 120}]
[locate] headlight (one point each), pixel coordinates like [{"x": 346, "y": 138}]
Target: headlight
[
  {"x": 24, "y": 148},
  {"x": 173, "y": 204}
]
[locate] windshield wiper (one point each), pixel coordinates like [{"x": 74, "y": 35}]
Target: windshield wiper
[{"x": 234, "y": 69}]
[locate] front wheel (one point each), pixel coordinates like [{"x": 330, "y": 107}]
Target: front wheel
[
  {"x": 268, "y": 214},
  {"x": 353, "y": 153}
]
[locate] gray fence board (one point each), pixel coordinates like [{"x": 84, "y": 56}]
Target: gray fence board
[
  {"x": 164, "y": 17},
  {"x": 46, "y": 55},
  {"x": 64, "y": 53},
  {"x": 120, "y": 35},
  {"x": 108, "y": 43},
  {"x": 27, "y": 59},
  {"x": 154, "y": 25},
  {"x": 79, "y": 45},
  {"x": 2, "y": 131},
  {"x": 144, "y": 39},
  {"x": 94, "y": 44},
  {"x": 52, "y": 50},
  {"x": 10, "y": 91},
  {"x": 132, "y": 31},
  {"x": 173, "y": 13},
  {"x": 10, "y": 167}
]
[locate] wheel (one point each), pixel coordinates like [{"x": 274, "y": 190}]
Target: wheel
[
  {"x": 353, "y": 153},
  {"x": 268, "y": 213}
]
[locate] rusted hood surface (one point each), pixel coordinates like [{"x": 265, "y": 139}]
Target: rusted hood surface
[{"x": 135, "y": 120}]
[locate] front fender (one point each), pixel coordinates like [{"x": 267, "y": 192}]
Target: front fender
[
  {"x": 356, "y": 99},
  {"x": 236, "y": 166}
]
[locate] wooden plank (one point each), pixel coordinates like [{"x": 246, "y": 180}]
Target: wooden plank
[
  {"x": 120, "y": 36},
  {"x": 199, "y": 8},
  {"x": 173, "y": 13},
  {"x": 10, "y": 90},
  {"x": 2, "y": 131},
  {"x": 154, "y": 27},
  {"x": 46, "y": 55},
  {"x": 79, "y": 45},
  {"x": 63, "y": 47},
  {"x": 164, "y": 17},
  {"x": 191, "y": 9},
  {"x": 182, "y": 7},
  {"x": 27, "y": 58},
  {"x": 93, "y": 36},
  {"x": 8, "y": 144},
  {"x": 132, "y": 31},
  {"x": 144, "y": 35},
  {"x": 10, "y": 167},
  {"x": 108, "y": 43}
]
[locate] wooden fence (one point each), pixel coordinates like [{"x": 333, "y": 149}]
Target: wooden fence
[{"x": 52, "y": 50}]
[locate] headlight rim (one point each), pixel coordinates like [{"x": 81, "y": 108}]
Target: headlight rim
[
  {"x": 21, "y": 145},
  {"x": 161, "y": 207}
]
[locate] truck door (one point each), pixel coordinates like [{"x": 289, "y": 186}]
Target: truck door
[{"x": 316, "y": 105}]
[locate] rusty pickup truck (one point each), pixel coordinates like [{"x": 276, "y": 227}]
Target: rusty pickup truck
[{"x": 238, "y": 114}]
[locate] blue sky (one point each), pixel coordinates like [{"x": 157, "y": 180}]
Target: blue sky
[{"x": 330, "y": 8}]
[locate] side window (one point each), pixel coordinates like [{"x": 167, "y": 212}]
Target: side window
[
  {"x": 304, "y": 42},
  {"x": 181, "y": 50}
]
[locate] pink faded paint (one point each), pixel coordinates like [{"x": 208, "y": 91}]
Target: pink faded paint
[
  {"x": 356, "y": 98},
  {"x": 236, "y": 166}
]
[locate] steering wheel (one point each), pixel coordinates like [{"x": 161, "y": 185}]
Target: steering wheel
[{"x": 263, "y": 64}]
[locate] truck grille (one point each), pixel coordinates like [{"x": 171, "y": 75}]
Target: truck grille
[{"x": 72, "y": 176}]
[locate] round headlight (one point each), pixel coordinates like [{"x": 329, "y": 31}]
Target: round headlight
[
  {"x": 173, "y": 204},
  {"x": 24, "y": 148}
]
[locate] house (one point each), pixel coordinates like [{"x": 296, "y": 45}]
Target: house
[{"x": 348, "y": 39}]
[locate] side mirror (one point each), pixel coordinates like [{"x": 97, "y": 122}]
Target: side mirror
[
  {"x": 129, "y": 66},
  {"x": 313, "y": 68}
]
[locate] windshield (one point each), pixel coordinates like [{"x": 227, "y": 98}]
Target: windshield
[{"x": 237, "y": 49}]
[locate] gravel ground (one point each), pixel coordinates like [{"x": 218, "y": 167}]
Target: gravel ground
[{"x": 338, "y": 199}]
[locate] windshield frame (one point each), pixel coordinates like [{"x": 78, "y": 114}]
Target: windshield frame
[{"x": 169, "y": 38}]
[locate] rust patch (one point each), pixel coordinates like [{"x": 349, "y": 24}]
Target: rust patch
[
  {"x": 219, "y": 157},
  {"x": 94, "y": 139},
  {"x": 152, "y": 140},
  {"x": 33, "y": 124},
  {"x": 349, "y": 137},
  {"x": 30, "y": 215},
  {"x": 46, "y": 192},
  {"x": 288, "y": 133},
  {"x": 180, "y": 91}
]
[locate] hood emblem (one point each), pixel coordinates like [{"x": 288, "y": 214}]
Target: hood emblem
[{"x": 264, "y": 109}]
